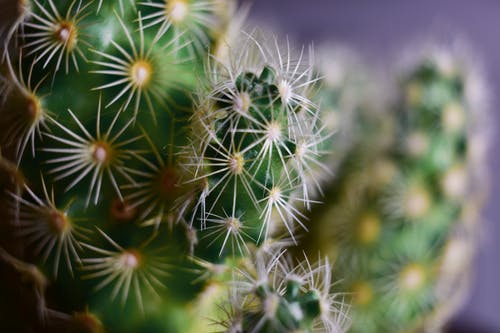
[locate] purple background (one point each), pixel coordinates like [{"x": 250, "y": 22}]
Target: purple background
[{"x": 379, "y": 29}]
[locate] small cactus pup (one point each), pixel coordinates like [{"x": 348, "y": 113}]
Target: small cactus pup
[
  {"x": 268, "y": 292},
  {"x": 277, "y": 297},
  {"x": 255, "y": 135},
  {"x": 96, "y": 98},
  {"x": 253, "y": 115},
  {"x": 402, "y": 215}
]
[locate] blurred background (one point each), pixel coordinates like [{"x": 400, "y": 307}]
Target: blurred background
[{"x": 380, "y": 31}]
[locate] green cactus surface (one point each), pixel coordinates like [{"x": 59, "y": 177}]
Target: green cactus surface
[
  {"x": 401, "y": 205},
  {"x": 148, "y": 151},
  {"x": 163, "y": 171}
]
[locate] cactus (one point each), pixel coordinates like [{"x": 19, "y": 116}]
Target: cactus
[
  {"x": 405, "y": 203},
  {"x": 255, "y": 135},
  {"x": 151, "y": 151},
  {"x": 273, "y": 293},
  {"x": 159, "y": 165}
]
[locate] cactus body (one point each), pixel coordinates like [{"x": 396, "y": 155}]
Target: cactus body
[
  {"x": 397, "y": 206},
  {"x": 158, "y": 166},
  {"x": 141, "y": 151}
]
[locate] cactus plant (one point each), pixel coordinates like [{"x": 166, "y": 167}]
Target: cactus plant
[
  {"x": 147, "y": 159},
  {"x": 402, "y": 207},
  {"x": 255, "y": 135},
  {"x": 159, "y": 165}
]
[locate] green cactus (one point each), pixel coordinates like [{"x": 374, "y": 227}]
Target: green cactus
[
  {"x": 255, "y": 135},
  {"x": 148, "y": 159},
  {"x": 159, "y": 165},
  {"x": 400, "y": 202},
  {"x": 274, "y": 293}
]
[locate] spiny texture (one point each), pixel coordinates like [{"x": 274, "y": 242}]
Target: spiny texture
[
  {"x": 273, "y": 293},
  {"x": 158, "y": 166},
  {"x": 277, "y": 296},
  {"x": 142, "y": 152},
  {"x": 401, "y": 218},
  {"x": 256, "y": 136}
]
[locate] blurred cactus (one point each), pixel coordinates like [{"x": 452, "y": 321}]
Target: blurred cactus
[
  {"x": 398, "y": 216},
  {"x": 159, "y": 165}
]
